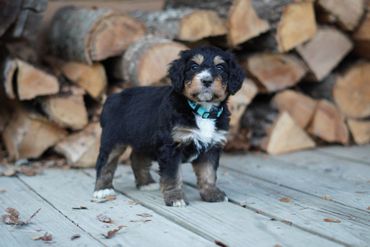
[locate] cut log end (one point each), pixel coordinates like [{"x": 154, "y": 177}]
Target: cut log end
[{"x": 360, "y": 130}]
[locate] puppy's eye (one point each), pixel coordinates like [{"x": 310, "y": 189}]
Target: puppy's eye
[
  {"x": 194, "y": 66},
  {"x": 220, "y": 68}
]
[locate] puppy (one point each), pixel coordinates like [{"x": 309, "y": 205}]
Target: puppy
[{"x": 185, "y": 122}]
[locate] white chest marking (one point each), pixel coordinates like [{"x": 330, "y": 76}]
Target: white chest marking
[{"x": 205, "y": 135}]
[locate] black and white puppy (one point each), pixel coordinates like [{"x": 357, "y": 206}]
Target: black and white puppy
[{"x": 185, "y": 122}]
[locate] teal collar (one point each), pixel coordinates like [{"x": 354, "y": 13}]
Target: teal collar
[{"x": 214, "y": 113}]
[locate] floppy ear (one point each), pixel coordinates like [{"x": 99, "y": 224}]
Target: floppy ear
[
  {"x": 236, "y": 75},
  {"x": 176, "y": 73}
]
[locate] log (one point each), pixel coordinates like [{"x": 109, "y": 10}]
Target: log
[
  {"x": 328, "y": 123},
  {"x": 275, "y": 71},
  {"x": 82, "y": 148},
  {"x": 21, "y": 19},
  {"x": 248, "y": 19},
  {"x": 352, "y": 91},
  {"x": 67, "y": 111},
  {"x": 360, "y": 130},
  {"x": 346, "y": 13},
  {"x": 238, "y": 103},
  {"x": 29, "y": 135},
  {"x": 32, "y": 82},
  {"x": 362, "y": 37},
  {"x": 146, "y": 62},
  {"x": 91, "y": 34},
  {"x": 323, "y": 53},
  {"x": 8, "y": 69},
  {"x": 92, "y": 78},
  {"x": 299, "y": 106},
  {"x": 183, "y": 24},
  {"x": 286, "y": 136}
]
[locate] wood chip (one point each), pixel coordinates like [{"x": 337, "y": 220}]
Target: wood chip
[
  {"x": 219, "y": 243},
  {"x": 47, "y": 237},
  {"x": 104, "y": 218},
  {"x": 327, "y": 197},
  {"x": 75, "y": 236},
  {"x": 12, "y": 217},
  {"x": 2, "y": 190},
  {"x": 112, "y": 233},
  {"x": 79, "y": 208},
  {"x": 331, "y": 220},
  {"x": 285, "y": 199},
  {"x": 368, "y": 208},
  {"x": 145, "y": 215}
]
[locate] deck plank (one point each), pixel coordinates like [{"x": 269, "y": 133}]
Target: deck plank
[
  {"x": 226, "y": 222},
  {"x": 304, "y": 211},
  {"x": 19, "y": 196},
  {"x": 72, "y": 188},
  {"x": 354, "y": 153},
  {"x": 328, "y": 165},
  {"x": 316, "y": 183}
]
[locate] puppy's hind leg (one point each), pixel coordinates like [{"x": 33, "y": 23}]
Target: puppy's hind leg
[
  {"x": 106, "y": 165},
  {"x": 140, "y": 164}
]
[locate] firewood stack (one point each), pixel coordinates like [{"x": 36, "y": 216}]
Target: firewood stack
[{"x": 308, "y": 77}]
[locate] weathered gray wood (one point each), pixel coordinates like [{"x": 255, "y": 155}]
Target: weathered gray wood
[
  {"x": 66, "y": 189},
  {"x": 226, "y": 222},
  {"x": 354, "y": 153},
  {"x": 329, "y": 165},
  {"x": 304, "y": 211},
  {"x": 20, "y": 197},
  {"x": 301, "y": 179}
]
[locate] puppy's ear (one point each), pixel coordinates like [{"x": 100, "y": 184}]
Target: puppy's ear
[
  {"x": 176, "y": 73},
  {"x": 236, "y": 75}
]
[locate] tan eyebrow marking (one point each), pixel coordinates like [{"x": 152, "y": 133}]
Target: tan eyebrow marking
[
  {"x": 218, "y": 60},
  {"x": 198, "y": 59}
]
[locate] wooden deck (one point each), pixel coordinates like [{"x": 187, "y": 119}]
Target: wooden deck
[{"x": 274, "y": 201}]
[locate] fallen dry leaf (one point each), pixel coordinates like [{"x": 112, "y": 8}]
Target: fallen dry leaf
[
  {"x": 368, "y": 208},
  {"x": 327, "y": 197},
  {"x": 277, "y": 245},
  {"x": 46, "y": 237},
  {"x": 145, "y": 215},
  {"x": 2, "y": 190},
  {"x": 219, "y": 243},
  {"x": 104, "y": 218},
  {"x": 75, "y": 236},
  {"x": 79, "y": 208},
  {"x": 111, "y": 233},
  {"x": 29, "y": 170},
  {"x": 12, "y": 217},
  {"x": 105, "y": 199},
  {"x": 143, "y": 220},
  {"x": 331, "y": 220},
  {"x": 285, "y": 199},
  {"x": 287, "y": 222}
]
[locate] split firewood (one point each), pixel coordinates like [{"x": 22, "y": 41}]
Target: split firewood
[
  {"x": 328, "y": 123},
  {"x": 346, "y": 13},
  {"x": 92, "y": 78},
  {"x": 21, "y": 19},
  {"x": 239, "y": 102},
  {"x": 82, "y": 148},
  {"x": 360, "y": 130},
  {"x": 299, "y": 106},
  {"x": 325, "y": 51},
  {"x": 183, "y": 24},
  {"x": 29, "y": 135},
  {"x": 275, "y": 71},
  {"x": 146, "y": 62},
  {"x": 29, "y": 81},
  {"x": 67, "y": 111},
  {"x": 286, "y": 136},
  {"x": 352, "y": 91},
  {"x": 92, "y": 34},
  {"x": 362, "y": 37}
]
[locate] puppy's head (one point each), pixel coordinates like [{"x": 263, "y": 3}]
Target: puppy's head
[{"x": 206, "y": 74}]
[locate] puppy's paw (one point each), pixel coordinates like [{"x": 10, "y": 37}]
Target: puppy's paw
[
  {"x": 213, "y": 194},
  {"x": 103, "y": 195},
  {"x": 149, "y": 187},
  {"x": 175, "y": 198}
]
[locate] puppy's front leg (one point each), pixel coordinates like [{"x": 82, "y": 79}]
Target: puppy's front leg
[
  {"x": 171, "y": 181},
  {"x": 205, "y": 168}
]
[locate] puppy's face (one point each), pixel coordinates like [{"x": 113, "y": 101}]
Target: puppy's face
[{"x": 206, "y": 74}]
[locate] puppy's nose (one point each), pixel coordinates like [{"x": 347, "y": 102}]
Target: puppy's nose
[{"x": 207, "y": 82}]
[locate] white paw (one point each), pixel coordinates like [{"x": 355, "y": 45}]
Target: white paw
[
  {"x": 149, "y": 187},
  {"x": 179, "y": 203},
  {"x": 100, "y": 195}
]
